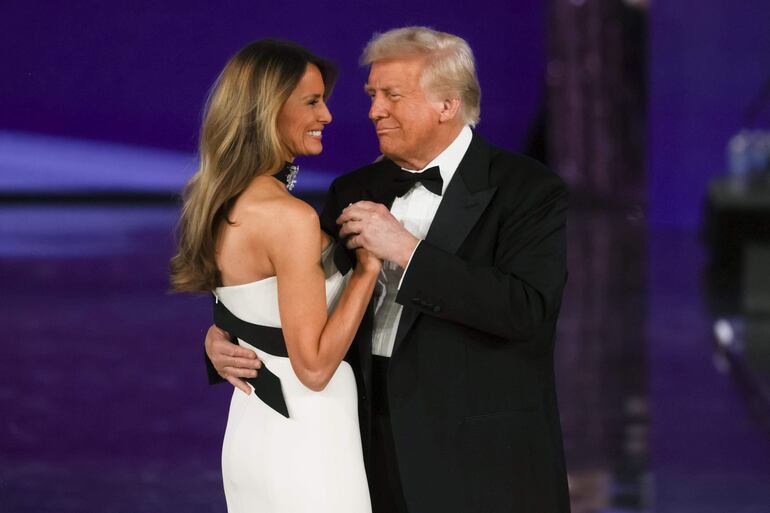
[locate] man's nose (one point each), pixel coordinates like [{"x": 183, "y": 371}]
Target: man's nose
[{"x": 377, "y": 110}]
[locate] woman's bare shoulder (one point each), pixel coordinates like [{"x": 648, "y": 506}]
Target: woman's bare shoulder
[{"x": 267, "y": 206}]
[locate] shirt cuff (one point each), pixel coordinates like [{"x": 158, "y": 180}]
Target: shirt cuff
[{"x": 408, "y": 262}]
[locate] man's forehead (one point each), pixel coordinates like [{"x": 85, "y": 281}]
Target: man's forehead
[{"x": 394, "y": 71}]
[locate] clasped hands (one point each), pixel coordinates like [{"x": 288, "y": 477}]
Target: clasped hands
[{"x": 371, "y": 226}]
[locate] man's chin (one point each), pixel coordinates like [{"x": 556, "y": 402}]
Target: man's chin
[
  {"x": 386, "y": 148},
  {"x": 385, "y": 154}
]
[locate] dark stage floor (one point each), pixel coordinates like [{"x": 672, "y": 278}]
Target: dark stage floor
[{"x": 104, "y": 404}]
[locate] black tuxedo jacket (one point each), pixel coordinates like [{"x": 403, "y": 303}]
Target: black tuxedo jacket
[{"x": 471, "y": 379}]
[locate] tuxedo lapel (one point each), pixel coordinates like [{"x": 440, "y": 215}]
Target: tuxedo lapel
[
  {"x": 459, "y": 210},
  {"x": 463, "y": 202}
]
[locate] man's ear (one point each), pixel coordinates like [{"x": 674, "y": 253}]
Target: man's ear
[{"x": 450, "y": 108}]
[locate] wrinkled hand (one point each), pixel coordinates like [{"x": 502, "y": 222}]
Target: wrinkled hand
[
  {"x": 371, "y": 226},
  {"x": 231, "y": 361}
]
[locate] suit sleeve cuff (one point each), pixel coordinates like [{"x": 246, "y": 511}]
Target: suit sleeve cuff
[
  {"x": 213, "y": 375},
  {"x": 408, "y": 262}
]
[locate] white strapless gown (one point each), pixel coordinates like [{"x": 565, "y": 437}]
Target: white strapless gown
[{"x": 311, "y": 462}]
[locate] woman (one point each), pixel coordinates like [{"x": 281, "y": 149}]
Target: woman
[{"x": 294, "y": 444}]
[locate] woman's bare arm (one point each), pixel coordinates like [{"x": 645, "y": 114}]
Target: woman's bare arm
[{"x": 316, "y": 342}]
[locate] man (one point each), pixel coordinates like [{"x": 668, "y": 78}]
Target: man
[{"x": 455, "y": 360}]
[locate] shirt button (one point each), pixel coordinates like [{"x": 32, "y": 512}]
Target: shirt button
[{"x": 436, "y": 309}]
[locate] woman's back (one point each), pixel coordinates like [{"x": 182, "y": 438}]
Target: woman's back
[{"x": 261, "y": 218}]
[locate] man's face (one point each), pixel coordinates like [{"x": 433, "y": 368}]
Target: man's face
[{"x": 403, "y": 115}]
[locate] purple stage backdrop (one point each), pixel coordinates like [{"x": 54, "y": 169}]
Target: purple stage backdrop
[
  {"x": 708, "y": 59},
  {"x": 138, "y": 72}
]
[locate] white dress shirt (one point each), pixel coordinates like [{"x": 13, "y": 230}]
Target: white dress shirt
[{"x": 415, "y": 210}]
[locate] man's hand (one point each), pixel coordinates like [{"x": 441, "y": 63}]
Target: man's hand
[
  {"x": 231, "y": 361},
  {"x": 371, "y": 226}
]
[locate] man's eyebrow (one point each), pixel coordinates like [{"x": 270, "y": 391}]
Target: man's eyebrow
[
  {"x": 369, "y": 89},
  {"x": 313, "y": 96}
]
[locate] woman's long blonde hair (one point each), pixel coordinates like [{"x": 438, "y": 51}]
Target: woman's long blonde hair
[{"x": 238, "y": 141}]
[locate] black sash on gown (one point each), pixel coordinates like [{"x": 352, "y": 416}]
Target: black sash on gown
[{"x": 266, "y": 385}]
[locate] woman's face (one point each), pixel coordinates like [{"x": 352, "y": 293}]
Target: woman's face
[{"x": 304, "y": 115}]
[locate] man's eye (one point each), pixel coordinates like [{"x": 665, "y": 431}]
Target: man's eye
[
  {"x": 312, "y": 102},
  {"x": 395, "y": 96}
]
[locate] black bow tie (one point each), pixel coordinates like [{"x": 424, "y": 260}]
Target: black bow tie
[{"x": 404, "y": 180}]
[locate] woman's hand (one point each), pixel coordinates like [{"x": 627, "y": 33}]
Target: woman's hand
[{"x": 367, "y": 261}]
